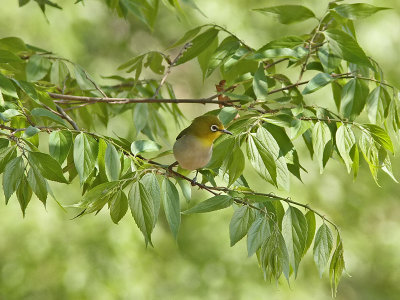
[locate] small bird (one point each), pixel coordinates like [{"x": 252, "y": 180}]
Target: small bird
[{"x": 193, "y": 146}]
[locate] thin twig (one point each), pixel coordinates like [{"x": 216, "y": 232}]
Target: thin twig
[{"x": 67, "y": 117}]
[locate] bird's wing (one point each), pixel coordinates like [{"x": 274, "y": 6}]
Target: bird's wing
[{"x": 183, "y": 132}]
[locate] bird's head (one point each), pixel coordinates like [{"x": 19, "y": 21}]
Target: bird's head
[{"x": 207, "y": 127}]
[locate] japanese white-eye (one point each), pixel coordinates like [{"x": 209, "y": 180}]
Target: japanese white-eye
[{"x": 193, "y": 146}]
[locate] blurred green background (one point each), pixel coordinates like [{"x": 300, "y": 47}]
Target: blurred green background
[{"x": 48, "y": 256}]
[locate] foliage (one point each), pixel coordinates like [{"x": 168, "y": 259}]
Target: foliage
[{"x": 46, "y": 101}]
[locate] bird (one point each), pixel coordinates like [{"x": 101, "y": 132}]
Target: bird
[{"x": 193, "y": 146}]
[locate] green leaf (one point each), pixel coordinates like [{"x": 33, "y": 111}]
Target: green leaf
[
  {"x": 85, "y": 154},
  {"x": 344, "y": 46},
  {"x": 44, "y": 113},
  {"x": 60, "y": 143},
  {"x": 321, "y": 135},
  {"x": 199, "y": 44},
  {"x": 142, "y": 209},
  {"x": 24, "y": 193},
  {"x": 118, "y": 206},
  {"x": 150, "y": 182},
  {"x": 204, "y": 57},
  {"x": 227, "y": 114},
  {"x": 322, "y": 247},
  {"x": 311, "y": 226},
  {"x": 140, "y": 116},
  {"x": 12, "y": 177},
  {"x": 6, "y": 155},
  {"x": 38, "y": 184},
  {"x": 112, "y": 163},
  {"x": 258, "y": 233},
  {"x": 330, "y": 62},
  {"x": 48, "y": 167},
  {"x": 172, "y": 207},
  {"x": 82, "y": 78},
  {"x": 354, "y": 95},
  {"x": 225, "y": 50},
  {"x": 345, "y": 141},
  {"x": 288, "y": 14},
  {"x": 186, "y": 189},
  {"x": 240, "y": 223},
  {"x": 357, "y": 10},
  {"x": 8, "y": 57},
  {"x": 141, "y": 146},
  {"x": 263, "y": 53},
  {"x": 336, "y": 267},
  {"x": 380, "y": 136},
  {"x": 214, "y": 203},
  {"x": 234, "y": 165},
  {"x": 59, "y": 72},
  {"x": 260, "y": 85},
  {"x": 317, "y": 82},
  {"x": 154, "y": 61},
  {"x": 29, "y": 89},
  {"x": 30, "y": 131},
  {"x": 370, "y": 151},
  {"x": 95, "y": 199},
  {"x": 37, "y": 67},
  {"x": 294, "y": 231},
  {"x": 4, "y": 143},
  {"x": 187, "y": 36},
  {"x": 13, "y": 44},
  {"x": 377, "y": 104},
  {"x": 7, "y": 87}
]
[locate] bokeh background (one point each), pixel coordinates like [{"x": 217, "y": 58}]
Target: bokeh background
[{"x": 48, "y": 256}]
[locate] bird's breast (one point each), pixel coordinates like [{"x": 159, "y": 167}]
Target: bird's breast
[{"x": 191, "y": 152}]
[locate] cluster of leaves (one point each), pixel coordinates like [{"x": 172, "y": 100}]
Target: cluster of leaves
[{"x": 264, "y": 109}]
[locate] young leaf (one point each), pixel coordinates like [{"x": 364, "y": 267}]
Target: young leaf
[
  {"x": 258, "y": 233},
  {"x": 142, "y": 209},
  {"x": 310, "y": 217},
  {"x": 288, "y": 14},
  {"x": 60, "y": 143},
  {"x": 214, "y": 203},
  {"x": 24, "y": 194},
  {"x": 345, "y": 141},
  {"x": 380, "y": 136},
  {"x": 37, "y": 67},
  {"x": 48, "y": 167},
  {"x": 240, "y": 223},
  {"x": 38, "y": 184},
  {"x": 336, "y": 267},
  {"x": 322, "y": 247},
  {"x": 85, "y": 154},
  {"x": 294, "y": 231},
  {"x": 199, "y": 44},
  {"x": 377, "y": 104},
  {"x": 172, "y": 208},
  {"x": 13, "y": 173},
  {"x": 357, "y": 10},
  {"x": 118, "y": 206},
  {"x": 260, "y": 85},
  {"x": 141, "y": 146},
  {"x": 95, "y": 199},
  {"x": 344, "y": 46},
  {"x": 354, "y": 95},
  {"x": 321, "y": 135},
  {"x": 112, "y": 163},
  {"x": 150, "y": 182},
  {"x": 317, "y": 82}
]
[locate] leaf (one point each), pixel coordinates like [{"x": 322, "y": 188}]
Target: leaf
[
  {"x": 187, "y": 36},
  {"x": 234, "y": 165},
  {"x": 112, "y": 163},
  {"x": 294, "y": 231},
  {"x": 141, "y": 146},
  {"x": 263, "y": 53},
  {"x": 150, "y": 182},
  {"x": 37, "y": 68},
  {"x": 336, "y": 267},
  {"x": 60, "y": 143},
  {"x": 186, "y": 189},
  {"x": 8, "y": 57},
  {"x": 95, "y": 199},
  {"x": 288, "y": 14},
  {"x": 13, "y": 44},
  {"x": 12, "y": 177},
  {"x": 345, "y": 141},
  {"x": 311, "y": 225},
  {"x": 258, "y": 233},
  {"x": 172, "y": 208},
  {"x": 44, "y": 113},
  {"x": 47, "y": 166},
  {"x": 140, "y": 116},
  {"x": 214, "y": 203},
  {"x": 317, "y": 82},
  {"x": 118, "y": 206},
  {"x": 377, "y": 104},
  {"x": 204, "y": 57},
  {"x": 85, "y": 154},
  {"x": 321, "y": 135},
  {"x": 370, "y": 152},
  {"x": 38, "y": 184},
  {"x": 6, "y": 155},
  {"x": 354, "y": 95},
  {"x": 225, "y": 50},
  {"x": 199, "y": 44},
  {"x": 357, "y": 10},
  {"x": 82, "y": 78},
  {"x": 7, "y": 87},
  {"x": 29, "y": 89},
  {"x": 344, "y": 46},
  {"x": 30, "y": 131},
  {"x": 227, "y": 115},
  {"x": 142, "y": 209},
  {"x": 380, "y": 136},
  {"x": 240, "y": 223},
  {"x": 330, "y": 62},
  {"x": 260, "y": 85},
  {"x": 322, "y": 247},
  {"x": 59, "y": 72},
  {"x": 24, "y": 194}
]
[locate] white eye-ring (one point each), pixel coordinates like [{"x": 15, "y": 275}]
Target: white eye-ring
[{"x": 214, "y": 128}]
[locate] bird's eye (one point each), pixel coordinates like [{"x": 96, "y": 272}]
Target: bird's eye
[{"x": 214, "y": 128}]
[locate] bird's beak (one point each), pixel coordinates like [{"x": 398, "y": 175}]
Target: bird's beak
[{"x": 225, "y": 131}]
